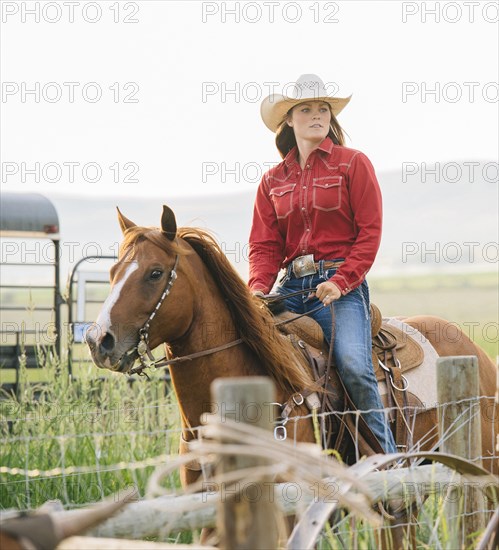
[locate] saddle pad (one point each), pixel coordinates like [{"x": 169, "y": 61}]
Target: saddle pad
[{"x": 422, "y": 381}]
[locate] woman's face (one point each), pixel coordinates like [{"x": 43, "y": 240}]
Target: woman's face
[{"x": 310, "y": 120}]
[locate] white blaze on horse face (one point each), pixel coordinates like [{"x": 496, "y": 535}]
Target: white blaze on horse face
[{"x": 104, "y": 319}]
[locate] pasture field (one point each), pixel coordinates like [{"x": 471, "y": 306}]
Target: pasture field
[
  {"x": 80, "y": 440},
  {"x": 470, "y": 301},
  {"x": 83, "y": 440}
]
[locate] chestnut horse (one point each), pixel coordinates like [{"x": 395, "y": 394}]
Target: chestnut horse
[{"x": 175, "y": 286}]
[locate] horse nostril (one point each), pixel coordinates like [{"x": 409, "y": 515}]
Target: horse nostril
[
  {"x": 90, "y": 335},
  {"x": 107, "y": 343}
]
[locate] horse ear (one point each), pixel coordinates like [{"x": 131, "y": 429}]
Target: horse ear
[
  {"x": 168, "y": 223},
  {"x": 125, "y": 223}
]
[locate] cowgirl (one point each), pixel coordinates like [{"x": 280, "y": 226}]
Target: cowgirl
[{"x": 318, "y": 215}]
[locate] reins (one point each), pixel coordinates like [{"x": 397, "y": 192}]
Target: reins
[
  {"x": 164, "y": 362},
  {"x": 281, "y": 297}
]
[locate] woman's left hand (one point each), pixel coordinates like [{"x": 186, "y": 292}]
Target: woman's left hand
[{"x": 327, "y": 293}]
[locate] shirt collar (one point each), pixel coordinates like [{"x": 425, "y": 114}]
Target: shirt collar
[{"x": 326, "y": 147}]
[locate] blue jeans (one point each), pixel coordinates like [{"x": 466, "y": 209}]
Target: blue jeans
[{"x": 352, "y": 343}]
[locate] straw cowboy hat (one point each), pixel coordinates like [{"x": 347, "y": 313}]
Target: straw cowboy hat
[{"x": 307, "y": 87}]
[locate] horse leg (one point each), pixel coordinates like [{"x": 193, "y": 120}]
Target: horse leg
[{"x": 189, "y": 475}]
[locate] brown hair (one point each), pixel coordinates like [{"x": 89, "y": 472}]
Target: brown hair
[{"x": 285, "y": 135}]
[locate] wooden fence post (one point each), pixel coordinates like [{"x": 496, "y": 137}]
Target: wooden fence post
[
  {"x": 247, "y": 513},
  {"x": 458, "y": 388}
]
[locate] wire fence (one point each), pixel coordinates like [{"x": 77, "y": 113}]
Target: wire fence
[
  {"x": 80, "y": 441},
  {"x": 55, "y": 452}
]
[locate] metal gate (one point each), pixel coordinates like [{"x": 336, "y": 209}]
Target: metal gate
[{"x": 90, "y": 288}]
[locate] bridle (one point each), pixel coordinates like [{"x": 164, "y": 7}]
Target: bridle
[{"x": 143, "y": 349}]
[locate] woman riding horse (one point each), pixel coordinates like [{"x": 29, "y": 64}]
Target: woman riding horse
[{"x": 318, "y": 215}]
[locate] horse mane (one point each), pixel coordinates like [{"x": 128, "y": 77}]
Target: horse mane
[{"x": 253, "y": 321}]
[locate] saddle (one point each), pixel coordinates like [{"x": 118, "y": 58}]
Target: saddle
[
  {"x": 390, "y": 345},
  {"x": 393, "y": 353}
]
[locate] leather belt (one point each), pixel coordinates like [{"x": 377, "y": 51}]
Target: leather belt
[
  {"x": 330, "y": 265},
  {"x": 305, "y": 265}
]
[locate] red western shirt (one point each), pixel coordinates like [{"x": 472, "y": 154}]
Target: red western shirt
[{"x": 332, "y": 209}]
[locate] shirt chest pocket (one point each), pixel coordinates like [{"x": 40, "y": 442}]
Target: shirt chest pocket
[
  {"x": 282, "y": 198},
  {"x": 326, "y": 193}
]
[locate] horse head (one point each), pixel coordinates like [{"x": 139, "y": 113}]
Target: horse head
[{"x": 147, "y": 267}]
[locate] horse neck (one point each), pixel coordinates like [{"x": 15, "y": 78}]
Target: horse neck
[{"x": 212, "y": 326}]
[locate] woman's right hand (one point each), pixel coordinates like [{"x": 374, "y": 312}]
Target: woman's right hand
[{"x": 327, "y": 292}]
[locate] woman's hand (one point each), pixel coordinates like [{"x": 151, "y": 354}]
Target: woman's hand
[{"x": 327, "y": 293}]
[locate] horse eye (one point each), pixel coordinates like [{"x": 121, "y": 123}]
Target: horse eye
[{"x": 156, "y": 274}]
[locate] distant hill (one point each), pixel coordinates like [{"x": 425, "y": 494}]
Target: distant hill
[{"x": 418, "y": 218}]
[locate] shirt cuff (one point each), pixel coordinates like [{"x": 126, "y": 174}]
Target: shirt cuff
[{"x": 341, "y": 283}]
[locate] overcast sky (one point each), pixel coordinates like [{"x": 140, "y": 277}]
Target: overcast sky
[{"x": 423, "y": 77}]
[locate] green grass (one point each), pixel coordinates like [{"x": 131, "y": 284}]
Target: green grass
[
  {"x": 82, "y": 424},
  {"x": 433, "y": 528},
  {"x": 96, "y": 424}
]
